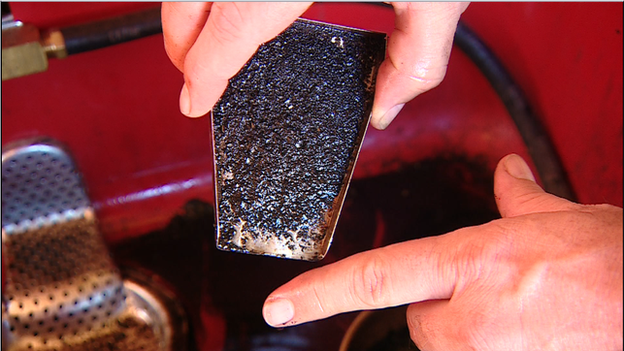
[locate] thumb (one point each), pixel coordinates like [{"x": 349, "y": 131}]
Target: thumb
[{"x": 517, "y": 193}]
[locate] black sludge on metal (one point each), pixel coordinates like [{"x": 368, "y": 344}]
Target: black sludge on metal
[{"x": 286, "y": 134}]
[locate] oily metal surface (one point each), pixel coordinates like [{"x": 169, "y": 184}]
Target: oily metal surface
[
  {"x": 63, "y": 291},
  {"x": 287, "y": 132}
]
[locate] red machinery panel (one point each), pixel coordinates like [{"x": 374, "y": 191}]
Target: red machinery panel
[{"x": 117, "y": 108}]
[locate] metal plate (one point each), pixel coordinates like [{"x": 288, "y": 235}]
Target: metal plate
[{"x": 287, "y": 132}]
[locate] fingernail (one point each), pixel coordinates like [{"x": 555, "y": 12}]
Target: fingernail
[
  {"x": 278, "y": 312},
  {"x": 517, "y": 168},
  {"x": 389, "y": 116},
  {"x": 185, "y": 101}
]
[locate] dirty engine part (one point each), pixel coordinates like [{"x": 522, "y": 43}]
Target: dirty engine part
[{"x": 286, "y": 136}]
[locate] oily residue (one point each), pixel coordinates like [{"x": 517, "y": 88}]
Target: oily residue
[{"x": 286, "y": 135}]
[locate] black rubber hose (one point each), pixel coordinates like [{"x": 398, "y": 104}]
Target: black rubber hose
[
  {"x": 537, "y": 140},
  {"x": 100, "y": 34},
  {"x": 540, "y": 146}
]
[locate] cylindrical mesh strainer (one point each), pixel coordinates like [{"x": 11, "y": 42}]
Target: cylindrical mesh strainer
[{"x": 63, "y": 291}]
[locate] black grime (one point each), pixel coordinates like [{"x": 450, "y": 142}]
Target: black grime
[{"x": 287, "y": 132}]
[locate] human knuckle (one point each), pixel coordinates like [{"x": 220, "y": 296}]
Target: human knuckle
[
  {"x": 416, "y": 325},
  {"x": 229, "y": 23},
  {"x": 498, "y": 240},
  {"x": 422, "y": 73},
  {"x": 426, "y": 81},
  {"x": 481, "y": 252},
  {"x": 370, "y": 282},
  {"x": 424, "y": 331}
]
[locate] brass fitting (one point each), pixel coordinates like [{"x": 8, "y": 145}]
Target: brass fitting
[
  {"x": 22, "y": 52},
  {"x": 54, "y": 44},
  {"x": 26, "y": 51}
]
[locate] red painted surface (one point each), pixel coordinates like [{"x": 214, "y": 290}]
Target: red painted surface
[
  {"x": 568, "y": 58},
  {"x": 117, "y": 108}
]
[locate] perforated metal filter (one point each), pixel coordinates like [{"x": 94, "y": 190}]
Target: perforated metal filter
[{"x": 63, "y": 291}]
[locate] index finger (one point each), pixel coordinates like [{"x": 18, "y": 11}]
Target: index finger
[{"x": 394, "y": 275}]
